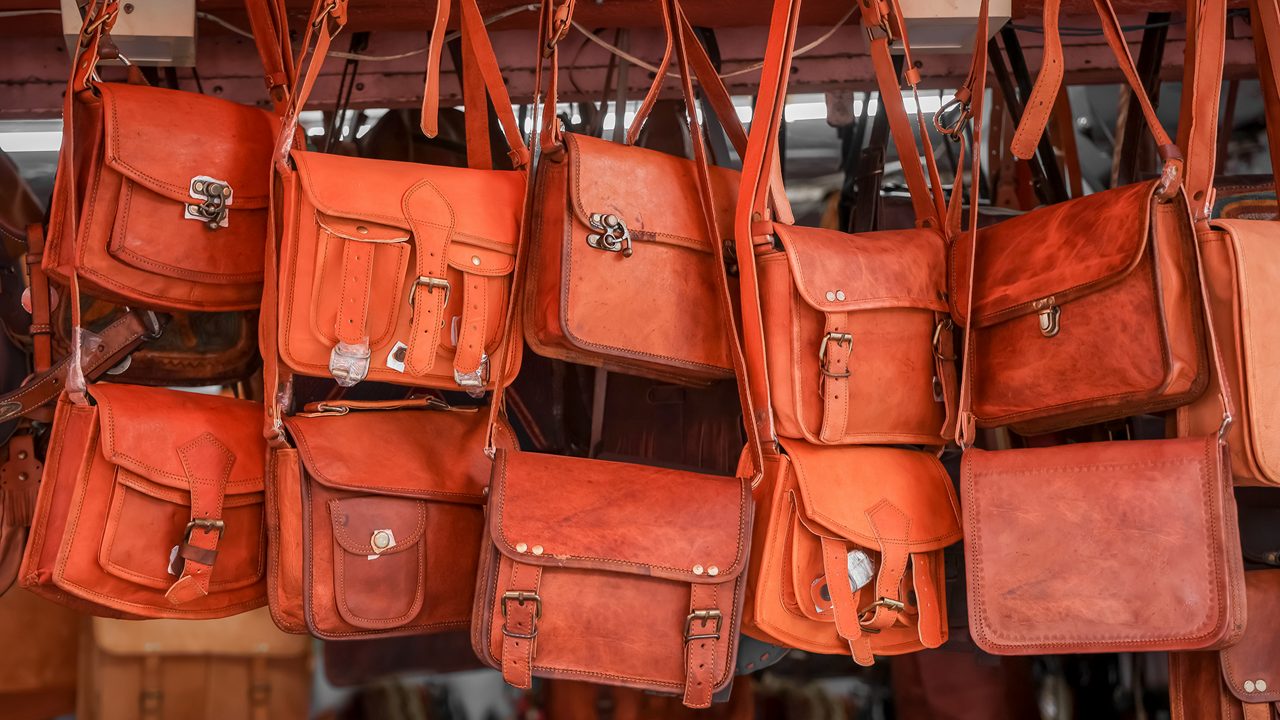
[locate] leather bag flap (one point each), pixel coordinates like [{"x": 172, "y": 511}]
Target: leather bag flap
[
  {"x": 160, "y": 434},
  {"x": 162, "y": 139},
  {"x": 845, "y": 489},
  {"x": 424, "y": 454},
  {"x": 593, "y": 514},
  {"x": 359, "y": 521},
  {"x": 251, "y": 633},
  {"x": 480, "y": 208},
  {"x": 653, "y": 193},
  {"x": 1057, "y": 253},
  {"x": 839, "y": 272},
  {"x": 1251, "y": 667}
]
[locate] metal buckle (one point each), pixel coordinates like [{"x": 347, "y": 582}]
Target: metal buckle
[
  {"x": 884, "y": 602},
  {"x": 703, "y": 616},
  {"x": 944, "y": 325},
  {"x": 845, "y": 339},
  {"x": 215, "y": 198},
  {"x": 521, "y": 597},
  {"x": 432, "y": 283},
  {"x": 209, "y": 525}
]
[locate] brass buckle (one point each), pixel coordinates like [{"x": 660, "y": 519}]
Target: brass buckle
[
  {"x": 703, "y": 616},
  {"x": 209, "y": 525},
  {"x": 884, "y": 602},
  {"x": 845, "y": 339},
  {"x": 521, "y": 597},
  {"x": 432, "y": 283}
]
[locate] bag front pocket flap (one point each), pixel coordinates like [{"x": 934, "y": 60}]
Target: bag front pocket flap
[
  {"x": 1251, "y": 667},
  {"x": 877, "y": 495},
  {"x": 173, "y": 437},
  {"x": 572, "y": 512},
  {"x": 375, "y": 525},
  {"x": 360, "y": 230},
  {"x": 165, "y": 139},
  {"x": 839, "y": 272}
]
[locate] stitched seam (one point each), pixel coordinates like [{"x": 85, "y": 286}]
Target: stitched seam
[
  {"x": 347, "y": 542},
  {"x": 339, "y": 571},
  {"x": 305, "y": 447}
]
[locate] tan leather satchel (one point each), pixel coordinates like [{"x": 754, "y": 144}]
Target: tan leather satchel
[
  {"x": 151, "y": 506},
  {"x": 238, "y": 667},
  {"x": 1241, "y": 257},
  {"x": 1241, "y": 682},
  {"x": 395, "y": 271},
  {"x": 1087, "y": 310}
]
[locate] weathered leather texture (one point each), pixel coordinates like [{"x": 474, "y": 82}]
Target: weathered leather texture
[
  {"x": 818, "y": 504},
  {"x": 1116, "y": 271},
  {"x": 1241, "y": 682},
  {"x": 413, "y": 263},
  {"x": 237, "y": 667},
  {"x": 648, "y": 308},
  {"x": 152, "y": 506},
  {"x": 392, "y": 519},
  {"x": 1241, "y": 262},
  {"x": 846, "y": 316},
  {"x": 1126, "y": 546},
  {"x": 611, "y": 573},
  {"x": 139, "y": 152}
]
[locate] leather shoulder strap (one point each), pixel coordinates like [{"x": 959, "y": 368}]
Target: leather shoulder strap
[{"x": 270, "y": 27}]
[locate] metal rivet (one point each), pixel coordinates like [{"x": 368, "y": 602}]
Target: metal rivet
[
  {"x": 226, "y": 192},
  {"x": 713, "y": 571},
  {"x": 1248, "y": 686},
  {"x": 1260, "y": 686},
  {"x": 362, "y": 230},
  {"x": 537, "y": 549},
  {"x": 22, "y": 455},
  {"x": 22, "y": 477},
  {"x": 198, "y": 186},
  {"x": 697, "y": 569},
  {"x": 831, "y": 296},
  {"x": 381, "y": 540},
  {"x": 475, "y": 260},
  {"x": 521, "y": 547},
  {"x": 839, "y": 294}
]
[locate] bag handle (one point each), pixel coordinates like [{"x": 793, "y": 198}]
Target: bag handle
[
  {"x": 269, "y": 22},
  {"x": 1202, "y": 88}
]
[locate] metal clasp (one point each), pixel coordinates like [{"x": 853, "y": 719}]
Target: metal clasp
[
  {"x": 215, "y": 199},
  {"x": 944, "y": 325},
  {"x": 953, "y": 130},
  {"x": 209, "y": 525},
  {"x": 611, "y": 234},
  {"x": 520, "y": 597},
  {"x": 1050, "y": 317},
  {"x": 432, "y": 283},
  {"x": 704, "y": 617},
  {"x": 844, "y": 339}
]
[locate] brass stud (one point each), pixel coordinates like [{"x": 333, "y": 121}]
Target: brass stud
[
  {"x": 831, "y": 296},
  {"x": 362, "y": 230},
  {"x": 1260, "y": 686},
  {"x": 537, "y": 549},
  {"x": 713, "y": 571},
  {"x": 198, "y": 186},
  {"x": 1248, "y": 686},
  {"x": 226, "y": 191},
  {"x": 697, "y": 569},
  {"x": 840, "y": 295},
  {"x": 22, "y": 477},
  {"x": 22, "y": 455},
  {"x": 475, "y": 260},
  {"x": 522, "y": 547}
]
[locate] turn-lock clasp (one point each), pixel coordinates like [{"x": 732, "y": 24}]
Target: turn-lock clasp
[
  {"x": 611, "y": 234},
  {"x": 214, "y": 201}
]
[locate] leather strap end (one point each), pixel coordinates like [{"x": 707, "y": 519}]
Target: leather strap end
[{"x": 187, "y": 588}]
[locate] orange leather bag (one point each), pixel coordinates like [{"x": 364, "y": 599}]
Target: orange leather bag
[
  {"x": 1087, "y": 310},
  {"x": 151, "y": 506},
  {"x": 392, "y": 515},
  {"x": 161, "y": 196},
  {"x": 1241, "y": 257},
  {"x": 395, "y": 271},
  {"x": 1241, "y": 682}
]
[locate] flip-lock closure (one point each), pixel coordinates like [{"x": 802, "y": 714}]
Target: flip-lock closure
[
  {"x": 215, "y": 200},
  {"x": 1050, "y": 317},
  {"x": 843, "y": 339},
  {"x": 611, "y": 234}
]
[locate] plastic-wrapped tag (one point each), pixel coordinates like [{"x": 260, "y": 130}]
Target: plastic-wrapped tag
[
  {"x": 349, "y": 364},
  {"x": 861, "y": 569},
  {"x": 381, "y": 541},
  {"x": 395, "y": 358},
  {"x": 175, "y": 562}
]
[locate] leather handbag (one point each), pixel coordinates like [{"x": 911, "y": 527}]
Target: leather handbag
[
  {"x": 238, "y": 667},
  {"x": 394, "y": 271},
  {"x": 1241, "y": 682},
  {"x": 1087, "y": 310},
  {"x": 1240, "y": 257},
  {"x": 392, "y": 515},
  {"x": 151, "y": 506},
  {"x": 161, "y": 197}
]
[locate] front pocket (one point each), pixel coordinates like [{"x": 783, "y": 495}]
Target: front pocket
[
  {"x": 379, "y": 559},
  {"x": 376, "y": 286},
  {"x": 146, "y": 523}
]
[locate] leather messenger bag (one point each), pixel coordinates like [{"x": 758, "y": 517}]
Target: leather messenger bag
[
  {"x": 1087, "y": 310},
  {"x": 396, "y": 271},
  {"x": 151, "y": 506}
]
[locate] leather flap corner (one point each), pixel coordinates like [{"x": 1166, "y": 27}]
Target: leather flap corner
[
  {"x": 201, "y": 136},
  {"x": 852, "y": 491},
  {"x": 571, "y": 512},
  {"x": 424, "y": 454},
  {"x": 1060, "y": 252},
  {"x": 169, "y": 436},
  {"x": 1251, "y": 667},
  {"x": 250, "y": 633},
  {"x": 839, "y": 272}
]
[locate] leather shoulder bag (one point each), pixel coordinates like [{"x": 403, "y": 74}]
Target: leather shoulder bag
[
  {"x": 396, "y": 271},
  {"x": 1241, "y": 258},
  {"x": 1087, "y": 310},
  {"x": 1064, "y": 552},
  {"x": 151, "y": 506}
]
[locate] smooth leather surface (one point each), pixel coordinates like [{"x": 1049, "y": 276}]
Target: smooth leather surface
[
  {"x": 139, "y": 148},
  {"x": 895, "y": 505},
  {"x": 1065, "y": 553},
  {"x": 618, "y": 556},
  {"x": 418, "y": 475},
  {"x": 124, "y": 478},
  {"x": 359, "y": 233},
  {"x": 626, "y": 313}
]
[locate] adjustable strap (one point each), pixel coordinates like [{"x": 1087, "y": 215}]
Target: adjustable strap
[
  {"x": 521, "y": 608},
  {"x": 207, "y": 464},
  {"x": 1259, "y": 711},
  {"x": 352, "y": 323},
  {"x": 844, "y": 601},
  {"x": 430, "y": 292},
  {"x": 834, "y": 362},
  {"x": 38, "y": 289},
  {"x": 888, "y": 607},
  {"x": 930, "y": 597},
  {"x": 269, "y": 22},
  {"x": 470, "y": 363},
  {"x": 944, "y": 368},
  {"x": 702, "y": 631},
  {"x": 1204, "y": 58}
]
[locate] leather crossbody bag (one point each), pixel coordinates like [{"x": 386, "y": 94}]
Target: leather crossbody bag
[
  {"x": 1064, "y": 552},
  {"x": 1087, "y": 310},
  {"x": 1241, "y": 257},
  {"x": 847, "y": 547},
  {"x": 396, "y": 271},
  {"x": 151, "y": 506}
]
